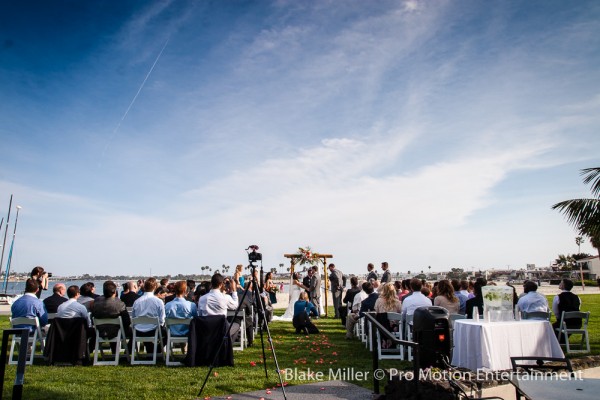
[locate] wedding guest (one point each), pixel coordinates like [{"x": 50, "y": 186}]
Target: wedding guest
[
  {"x": 41, "y": 277},
  {"x": 462, "y": 299},
  {"x": 351, "y": 293},
  {"x": 532, "y": 301},
  {"x": 86, "y": 296},
  {"x": 416, "y": 299},
  {"x": 148, "y": 305},
  {"x": 336, "y": 278},
  {"x": 72, "y": 308},
  {"x": 222, "y": 297},
  {"x": 446, "y": 297},
  {"x": 386, "y": 276},
  {"x": 179, "y": 307},
  {"x": 58, "y": 297},
  {"x": 372, "y": 274},
  {"x": 387, "y": 300},
  {"x": 476, "y": 303},
  {"x": 29, "y": 306},
  {"x": 238, "y": 276},
  {"x": 109, "y": 306},
  {"x": 564, "y": 302},
  {"x": 352, "y": 318},
  {"x": 405, "y": 286},
  {"x": 303, "y": 309},
  {"x": 130, "y": 295},
  {"x": 270, "y": 287}
]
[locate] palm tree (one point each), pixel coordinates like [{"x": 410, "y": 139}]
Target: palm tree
[
  {"x": 578, "y": 241},
  {"x": 584, "y": 214}
]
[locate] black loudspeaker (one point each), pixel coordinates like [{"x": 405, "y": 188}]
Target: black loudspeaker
[{"x": 431, "y": 330}]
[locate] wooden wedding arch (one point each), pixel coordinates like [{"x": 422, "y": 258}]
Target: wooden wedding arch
[{"x": 322, "y": 259}]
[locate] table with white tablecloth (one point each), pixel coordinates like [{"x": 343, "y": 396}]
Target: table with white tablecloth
[{"x": 489, "y": 345}]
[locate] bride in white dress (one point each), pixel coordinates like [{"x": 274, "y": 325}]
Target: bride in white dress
[{"x": 296, "y": 287}]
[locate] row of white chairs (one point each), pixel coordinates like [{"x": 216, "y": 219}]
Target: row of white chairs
[{"x": 36, "y": 341}]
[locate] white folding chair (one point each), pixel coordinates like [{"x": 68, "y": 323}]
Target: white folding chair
[
  {"x": 541, "y": 315},
  {"x": 408, "y": 319},
  {"x": 120, "y": 341},
  {"x": 156, "y": 339},
  {"x": 395, "y": 352},
  {"x": 454, "y": 317},
  {"x": 32, "y": 341},
  {"x": 563, "y": 329},
  {"x": 241, "y": 340},
  {"x": 172, "y": 340}
]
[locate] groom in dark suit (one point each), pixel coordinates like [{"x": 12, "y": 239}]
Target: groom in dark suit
[{"x": 314, "y": 290}]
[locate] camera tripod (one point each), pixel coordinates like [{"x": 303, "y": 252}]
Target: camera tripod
[{"x": 262, "y": 322}]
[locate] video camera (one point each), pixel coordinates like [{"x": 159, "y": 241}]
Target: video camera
[{"x": 253, "y": 256}]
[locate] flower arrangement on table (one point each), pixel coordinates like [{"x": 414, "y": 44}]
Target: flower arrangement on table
[{"x": 306, "y": 256}]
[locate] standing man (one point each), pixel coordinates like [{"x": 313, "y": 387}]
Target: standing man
[
  {"x": 372, "y": 275},
  {"x": 386, "y": 276},
  {"x": 58, "y": 297},
  {"x": 314, "y": 289},
  {"x": 336, "y": 278}
]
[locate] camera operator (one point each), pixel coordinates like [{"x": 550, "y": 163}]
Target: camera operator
[
  {"x": 41, "y": 277},
  {"x": 222, "y": 297}
]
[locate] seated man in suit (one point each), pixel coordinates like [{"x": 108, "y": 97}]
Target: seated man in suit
[
  {"x": 109, "y": 306},
  {"x": 58, "y": 297}
]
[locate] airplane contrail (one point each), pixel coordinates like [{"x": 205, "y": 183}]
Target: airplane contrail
[{"x": 134, "y": 98}]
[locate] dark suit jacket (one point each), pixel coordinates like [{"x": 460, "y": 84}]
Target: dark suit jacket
[
  {"x": 336, "y": 279},
  {"x": 111, "y": 308},
  {"x": 129, "y": 298},
  {"x": 67, "y": 341},
  {"x": 51, "y": 303},
  {"x": 368, "y": 304},
  {"x": 205, "y": 338}
]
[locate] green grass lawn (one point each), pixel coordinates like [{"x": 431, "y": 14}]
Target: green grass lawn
[{"x": 320, "y": 353}]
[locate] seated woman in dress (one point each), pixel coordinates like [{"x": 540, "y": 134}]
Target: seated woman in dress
[
  {"x": 446, "y": 298},
  {"x": 302, "y": 311}
]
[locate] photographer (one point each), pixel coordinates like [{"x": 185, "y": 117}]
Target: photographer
[
  {"x": 222, "y": 297},
  {"x": 41, "y": 277}
]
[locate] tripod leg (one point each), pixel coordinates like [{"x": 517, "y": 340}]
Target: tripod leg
[{"x": 261, "y": 309}]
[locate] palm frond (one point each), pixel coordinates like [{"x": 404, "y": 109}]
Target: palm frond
[
  {"x": 583, "y": 214},
  {"x": 592, "y": 175}
]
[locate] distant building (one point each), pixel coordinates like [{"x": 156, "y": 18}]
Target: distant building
[{"x": 590, "y": 267}]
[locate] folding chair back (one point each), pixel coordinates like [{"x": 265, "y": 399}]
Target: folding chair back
[
  {"x": 566, "y": 332},
  {"x": 120, "y": 341},
  {"x": 396, "y": 352},
  {"x": 408, "y": 319},
  {"x": 241, "y": 340},
  {"x": 541, "y": 315},
  {"x": 31, "y": 345},
  {"x": 454, "y": 317},
  {"x": 171, "y": 340},
  {"x": 546, "y": 365},
  {"x": 156, "y": 339}
]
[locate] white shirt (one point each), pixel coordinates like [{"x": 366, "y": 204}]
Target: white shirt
[
  {"x": 73, "y": 309},
  {"x": 148, "y": 305},
  {"x": 216, "y": 302},
  {"x": 414, "y": 301},
  {"x": 533, "y": 301},
  {"x": 360, "y": 296}
]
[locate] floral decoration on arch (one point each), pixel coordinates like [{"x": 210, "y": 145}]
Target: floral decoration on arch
[{"x": 306, "y": 256}]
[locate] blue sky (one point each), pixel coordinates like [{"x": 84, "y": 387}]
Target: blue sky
[{"x": 169, "y": 135}]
